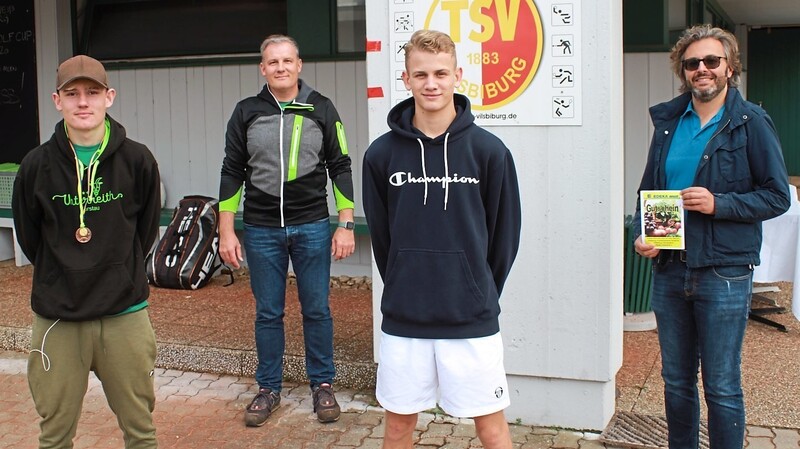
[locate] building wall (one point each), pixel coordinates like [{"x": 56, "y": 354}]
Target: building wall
[
  {"x": 181, "y": 113},
  {"x": 562, "y": 304},
  {"x": 648, "y": 81}
]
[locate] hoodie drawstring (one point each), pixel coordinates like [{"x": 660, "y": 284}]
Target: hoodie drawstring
[
  {"x": 424, "y": 173},
  {"x": 446, "y": 173},
  {"x": 45, "y": 357}
]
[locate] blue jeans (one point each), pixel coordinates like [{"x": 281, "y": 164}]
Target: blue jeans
[
  {"x": 702, "y": 315},
  {"x": 268, "y": 251}
]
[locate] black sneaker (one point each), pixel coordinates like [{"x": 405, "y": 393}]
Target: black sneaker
[
  {"x": 261, "y": 407},
  {"x": 325, "y": 405}
]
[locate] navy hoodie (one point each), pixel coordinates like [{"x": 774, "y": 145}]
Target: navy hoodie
[{"x": 444, "y": 218}]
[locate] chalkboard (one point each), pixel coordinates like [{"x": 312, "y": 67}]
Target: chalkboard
[{"x": 19, "y": 115}]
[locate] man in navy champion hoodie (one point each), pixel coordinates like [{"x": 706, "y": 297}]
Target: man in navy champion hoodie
[{"x": 442, "y": 204}]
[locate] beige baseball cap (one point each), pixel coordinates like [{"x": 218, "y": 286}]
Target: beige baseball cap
[{"x": 81, "y": 67}]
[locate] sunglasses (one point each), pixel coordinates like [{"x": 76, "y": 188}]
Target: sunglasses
[{"x": 710, "y": 61}]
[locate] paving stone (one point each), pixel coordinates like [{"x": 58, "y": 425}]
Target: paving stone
[
  {"x": 519, "y": 434},
  {"x": 206, "y": 410},
  {"x": 567, "y": 440},
  {"x": 463, "y": 430},
  {"x": 371, "y": 419},
  {"x": 760, "y": 443},
  {"x": 456, "y": 443},
  {"x": 372, "y": 443},
  {"x": 438, "y": 430},
  {"x": 591, "y": 444},
  {"x": 423, "y": 419},
  {"x": 432, "y": 441},
  {"x": 756, "y": 431},
  {"x": 787, "y": 438},
  {"x": 355, "y": 435},
  {"x": 541, "y": 442}
]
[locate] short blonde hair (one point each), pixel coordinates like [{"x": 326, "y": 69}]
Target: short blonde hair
[
  {"x": 700, "y": 32},
  {"x": 431, "y": 41}
]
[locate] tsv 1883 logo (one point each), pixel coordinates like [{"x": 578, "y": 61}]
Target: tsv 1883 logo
[{"x": 499, "y": 44}]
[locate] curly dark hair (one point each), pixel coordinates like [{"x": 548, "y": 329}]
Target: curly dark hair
[{"x": 700, "y": 32}]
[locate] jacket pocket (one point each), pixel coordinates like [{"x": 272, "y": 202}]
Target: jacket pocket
[
  {"x": 425, "y": 286},
  {"x": 734, "y": 239},
  {"x": 732, "y": 162},
  {"x": 82, "y": 294},
  {"x": 102, "y": 286}
]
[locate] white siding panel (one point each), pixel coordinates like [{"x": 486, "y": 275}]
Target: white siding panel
[
  {"x": 636, "y": 119},
  {"x": 162, "y": 135},
  {"x": 114, "y": 110},
  {"x": 362, "y": 112},
  {"x": 231, "y": 94},
  {"x": 251, "y": 80},
  {"x": 196, "y": 137},
  {"x": 144, "y": 109},
  {"x": 360, "y": 135},
  {"x": 309, "y": 74},
  {"x": 126, "y": 101},
  {"x": 214, "y": 128},
  {"x": 648, "y": 81},
  {"x": 663, "y": 83},
  {"x": 326, "y": 81},
  {"x": 179, "y": 138}
]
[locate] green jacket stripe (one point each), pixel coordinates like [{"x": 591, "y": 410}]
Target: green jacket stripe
[
  {"x": 340, "y": 136},
  {"x": 294, "y": 149}
]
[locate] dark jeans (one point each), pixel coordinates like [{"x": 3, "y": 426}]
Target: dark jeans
[
  {"x": 268, "y": 251},
  {"x": 702, "y": 316}
]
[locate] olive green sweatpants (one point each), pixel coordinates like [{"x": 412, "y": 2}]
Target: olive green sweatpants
[{"x": 121, "y": 351}]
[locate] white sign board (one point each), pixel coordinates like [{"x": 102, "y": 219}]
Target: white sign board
[{"x": 521, "y": 59}]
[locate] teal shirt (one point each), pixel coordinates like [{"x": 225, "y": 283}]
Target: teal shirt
[
  {"x": 134, "y": 308},
  {"x": 687, "y": 147},
  {"x": 85, "y": 153}
]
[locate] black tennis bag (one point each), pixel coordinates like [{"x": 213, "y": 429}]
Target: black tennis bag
[{"x": 187, "y": 255}]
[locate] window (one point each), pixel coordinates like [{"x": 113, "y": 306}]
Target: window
[
  {"x": 136, "y": 29},
  {"x": 351, "y": 26},
  {"x": 188, "y": 30}
]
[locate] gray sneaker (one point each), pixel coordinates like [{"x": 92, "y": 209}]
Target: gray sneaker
[
  {"x": 325, "y": 405},
  {"x": 261, "y": 407}
]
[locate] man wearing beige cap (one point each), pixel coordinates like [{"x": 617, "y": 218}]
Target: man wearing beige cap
[{"x": 86, "y": 208}]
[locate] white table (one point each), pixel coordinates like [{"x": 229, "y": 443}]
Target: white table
[{"x": 780, "y": 251}]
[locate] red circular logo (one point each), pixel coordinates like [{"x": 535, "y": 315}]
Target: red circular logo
[{"x": 499, "y": 44}]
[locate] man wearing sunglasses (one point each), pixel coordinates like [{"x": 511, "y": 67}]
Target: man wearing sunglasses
[{"x": 723, "y": 154}]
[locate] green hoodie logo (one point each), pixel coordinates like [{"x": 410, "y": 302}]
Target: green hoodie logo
[{"x": 94, "y": 202}]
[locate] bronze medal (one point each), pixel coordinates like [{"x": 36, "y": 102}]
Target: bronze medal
[{"x": 83, "y": 234}]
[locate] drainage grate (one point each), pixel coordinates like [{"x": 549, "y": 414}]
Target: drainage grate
[{"x": 642, "y": 432}]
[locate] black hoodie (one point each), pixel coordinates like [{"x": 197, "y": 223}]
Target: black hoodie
[
  {"x": 444, "y": 219},
  {"x": 82, "y": 281}
]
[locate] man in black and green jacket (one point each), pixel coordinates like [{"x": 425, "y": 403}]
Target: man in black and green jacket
[{"x": 280, "y": 145}]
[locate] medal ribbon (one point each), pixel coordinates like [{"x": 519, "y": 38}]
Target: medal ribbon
[{"x": 94, "y": 162}]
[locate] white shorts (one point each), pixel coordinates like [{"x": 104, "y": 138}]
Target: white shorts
[{"x": 465, "y": 377}]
